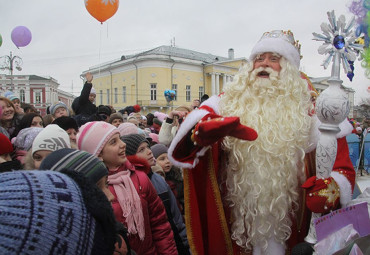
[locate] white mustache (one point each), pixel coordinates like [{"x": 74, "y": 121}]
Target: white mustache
[{"x": 273, "y": 75}]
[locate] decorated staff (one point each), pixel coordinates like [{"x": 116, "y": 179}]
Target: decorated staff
[{"x": 332, "y": 107}]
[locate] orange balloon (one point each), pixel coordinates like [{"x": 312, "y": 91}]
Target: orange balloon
[{"x": 102, "y": 9}]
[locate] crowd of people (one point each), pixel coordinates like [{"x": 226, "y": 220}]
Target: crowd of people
[
  {"x": 116, "y": 151},
  {"x": 227, "y": 174}
]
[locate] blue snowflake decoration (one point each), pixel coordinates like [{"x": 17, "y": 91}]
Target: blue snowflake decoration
[{"x": 339, "y": 37}]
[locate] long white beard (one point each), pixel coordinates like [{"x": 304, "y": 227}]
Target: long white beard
[{"x": 263, "y": 176}]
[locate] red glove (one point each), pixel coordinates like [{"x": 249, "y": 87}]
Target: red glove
[
  {"x": 322, "y": 195},
  {"x": 213, "y": 127}
]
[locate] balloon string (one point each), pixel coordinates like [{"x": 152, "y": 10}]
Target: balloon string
[{"x": 100, "y": 40}]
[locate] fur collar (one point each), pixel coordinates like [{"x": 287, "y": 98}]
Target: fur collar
[{"x": 140, "y": 164}]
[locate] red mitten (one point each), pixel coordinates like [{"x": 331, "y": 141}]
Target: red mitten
[
  {"x": 213, "y": 127},
  {"x": 322, "y": 195}
]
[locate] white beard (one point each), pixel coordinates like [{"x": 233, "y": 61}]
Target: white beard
[{"x": 262, "y": 176}]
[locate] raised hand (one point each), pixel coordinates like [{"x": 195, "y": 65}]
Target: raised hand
[{"x": 212, "y": 127}]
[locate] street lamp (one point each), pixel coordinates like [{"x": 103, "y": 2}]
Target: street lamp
[{"x": 9, "y": 62}]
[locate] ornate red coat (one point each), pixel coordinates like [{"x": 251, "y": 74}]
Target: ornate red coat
[{"x": 206, "y": 216}]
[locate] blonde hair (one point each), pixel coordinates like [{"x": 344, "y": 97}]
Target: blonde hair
[
  {"x": 183, "y": 108},
  {"x": 29, "y": 164},
  {"x": 262, "y": 176}
]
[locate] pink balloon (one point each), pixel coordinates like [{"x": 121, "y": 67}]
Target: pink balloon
[{"x": 21, "y": 36}]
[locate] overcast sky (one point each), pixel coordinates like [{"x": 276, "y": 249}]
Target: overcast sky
[{"x": 66, "y": 39}]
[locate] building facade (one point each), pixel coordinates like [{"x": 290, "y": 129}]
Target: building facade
[
  {"x": 38, "y": 91},
  {"x": 143, "y": 78}
]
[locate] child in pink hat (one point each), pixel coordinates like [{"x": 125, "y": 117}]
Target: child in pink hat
[{"x": 136, "y": 202}]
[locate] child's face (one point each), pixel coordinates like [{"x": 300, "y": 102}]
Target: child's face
[
  {"x": 17, "y": 103},
  {"x": 103, "y": 185},
  {"x": 145, "y": 152},
  {"x": 116, "y": 122},
  {"x": 164, "y": 162},
  {"x": 38, "y": 157},
  {"x": 92, "y": 98},
  {"x": 72, "y": 134},
  {"x": 61, "y": 111},
  {"x": 114, "y": 152}
]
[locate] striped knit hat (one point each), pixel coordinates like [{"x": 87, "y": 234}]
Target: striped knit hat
[
  {"x": 79, "y": 161},
  {"x": 43, "y": 212},
  {"x": 57, "y": 105},
  {"x": 133, "y": 142},
  {"x": 93, "y": 136}
]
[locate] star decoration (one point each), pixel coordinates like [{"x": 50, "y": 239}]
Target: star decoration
[
  {"x": 331, "y": 193},
  {"x": 339, "y": 38}
]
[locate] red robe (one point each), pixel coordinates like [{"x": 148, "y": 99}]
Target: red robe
[{"x": 207, "y": 218}]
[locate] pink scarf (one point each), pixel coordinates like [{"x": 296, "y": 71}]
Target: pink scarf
[{"x": 130, "y": 203}]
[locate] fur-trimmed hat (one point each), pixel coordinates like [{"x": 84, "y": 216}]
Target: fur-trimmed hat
[
  {"x": 46, "y": 212},
  {"x": 93, "y": 136},
  {"x": 133, "y": 142},
  {"x": 115, "y": 116},
  {"x": 280, "y": 42},
  {"x": 76, "y": 160},
  {"x": 66, "y": 122}
]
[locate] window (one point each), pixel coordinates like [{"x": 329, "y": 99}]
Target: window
[
  {"x": 101, "y": 96},
  {"x": 37, "y": 96},
  {"x": 188, "y": 93},
  {"x": 115, "y": 95},
  {"x": 153, "y": 92},
  {"x": 22, "y": 95},
  {"x": 174, "y": 88},
  {"x": 124, "y": 96},
  {"x": 108, "y": 94},
  {"x": 201, "y": 92}
]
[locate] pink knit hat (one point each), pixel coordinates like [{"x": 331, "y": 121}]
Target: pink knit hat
[
  {"x": 93, "y": 136},
  {"x": 127, "y": 128},
  {"x": 154, "y": 137}
]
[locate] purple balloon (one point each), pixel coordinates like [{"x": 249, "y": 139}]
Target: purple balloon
[{"x": 21, "y": 36}]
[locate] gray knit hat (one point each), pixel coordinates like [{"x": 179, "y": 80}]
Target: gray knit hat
[
  {"x": 158, "y": 150},
  {"x": 76, "y": 160},
  {"x": 57, "y": 105},
  {"x": 133, "y": 142},
  {"x": 43, "y": 212}
]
